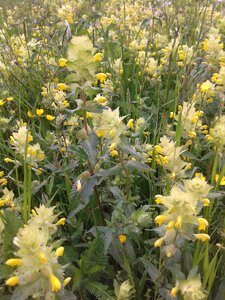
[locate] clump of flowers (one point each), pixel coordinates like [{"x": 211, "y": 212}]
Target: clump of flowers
[
  {"x": 219, "y": 79},
  {"x": 123, "y": 291},
  {"x": 55, "y": 97},
  {"x": 7, "y": 198},
  {"x": 213, "y": 47},
  {"x": 36, "y": 260},
  {"x": 20, "y": 141},
  {"x": 81, "y": 58},
  {"x": 181, "y": 215},
  {"x": 185, "y": 55},
  {"x": 190, "y": 289},
  {"x": 169, "y": 156},
  {"x": 216, "y": 135},
  {"x": 206, "y": 92},
  {"x": 108, "y": 124},
  {"x": 190, "y": 119},
  {"x": 66, "y": 13}
]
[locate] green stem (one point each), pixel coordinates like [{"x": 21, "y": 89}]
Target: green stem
[{"x": 215, "y": 164}]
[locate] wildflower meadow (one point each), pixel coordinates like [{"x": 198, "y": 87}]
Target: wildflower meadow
[{"x": 112, "y": 143}]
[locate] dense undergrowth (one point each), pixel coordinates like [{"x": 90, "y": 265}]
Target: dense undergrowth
[{"x": 112, "y": 141}]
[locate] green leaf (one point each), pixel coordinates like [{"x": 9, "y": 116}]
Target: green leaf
[
  {"x": 153, "y": 272},
  {"x": 99, "y": 290},
  {"x": 93, "y": 256},
  {"x": 89, "y": 145},
  {"x": 136, "y": 165},
  {"x": 117, "y": 193},
  {"x": 12, "y": 225},
  {"x": 103, "y": 174},
  {"x": 83, "y": 197},
  {"x": 126, "y": 148}
]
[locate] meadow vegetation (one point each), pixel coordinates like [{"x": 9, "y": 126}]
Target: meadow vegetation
[{"x": 112, "y": 143}]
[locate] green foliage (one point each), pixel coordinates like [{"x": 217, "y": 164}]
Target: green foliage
[{"x": 130, "y": 122}]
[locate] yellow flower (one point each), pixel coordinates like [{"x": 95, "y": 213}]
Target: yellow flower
[
  {"x": 170, "y": 225},
  {"x": 3, "y": 181},
  {"x": 69, "y": 18},
  {"x": 160, "y": 219},
  {"x": 194, "y": 119},
  {"x": 62, "y": 86},
  {"x": 206, "y": 201},
  {"x": 62, "y": 62},
  {"x": 42, "y": 258},
  {"x": 172, "y": 176},
  {"x": 2, "y": 173},
  {"x": 192, "y": 134},
  {"x": 158, "y": 199},
  {"x": 7, "y": 160},
  {"x": 9, "y": 99},
  {"x": 172, "y": 114},
  {"x": 66, "y": 103},
  {"x": 165, "y": 160},
  {"x": 49, "y": 117},
  {"x": 34, "y": 214},
  {"x": 178, "y": 223},
  {"x": 39, "y": 111},
  {"x": 12, "y": 281},
  {"x": 98, "y": 57},
  {"x": 101, "y": 99},
  {"x": 200, "y": 175},
  {"x": 62, "y": 221},
  {"x": 67, "y": 281},
  {"x": 101, "y": 77},
  {"x": 100, "y": 133},
  {"x": 88, "y": 115},
  {"x": 112, "y": 146},
  {"x": 174, "y": 291},
  {"x": 158, "y": 149},
  {"x": 122, "y": 238},
  {"x": 78, "y": 185},
  {"x": 130, "y": 124},
  {"x": 204, "y": 87},
  {"x": 158, "y": 243},
  {"x": 13, "y": 262},
  {"x": 200, "y": 113},
  {"x": 202, "y": 237},
  {"x": 222, "y": 182},
  {"x": 59, "y": 251},
  {"x": 55, "y": 283},
  {"x": 1, "y": 102},
  {"x": 30, "y": 114},
  {"x": 203, "y": 223},
  {"x": 114, "y": 153}
]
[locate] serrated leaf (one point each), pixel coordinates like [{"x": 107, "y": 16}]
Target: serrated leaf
[
  {"x": 103, "y": 174},
  {"x": 99, "y": 290},
  {"x": 12, "y": 225},
  {"x": 89, "y": 145},
  {"x": 117, "y": 193},
  {"x": 126, "y": 148},
  {"x": 153, "y": 272},
  {"x": 82, "y": 198},
  {"x": 136, "y": 165}
]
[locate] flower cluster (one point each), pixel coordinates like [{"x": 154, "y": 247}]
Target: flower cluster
[
  {"x": 190, "y": 289},
  {"x": 108, "y": 124},
  {"x": 190, "y": 119},
  {"x": 169, "y": 156},
  {"x": 20, "y": 141},
  {"x": 182, "y": 214},
  {"x": 216, "y": 135},
  {"x": 36, "y": 258}
]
